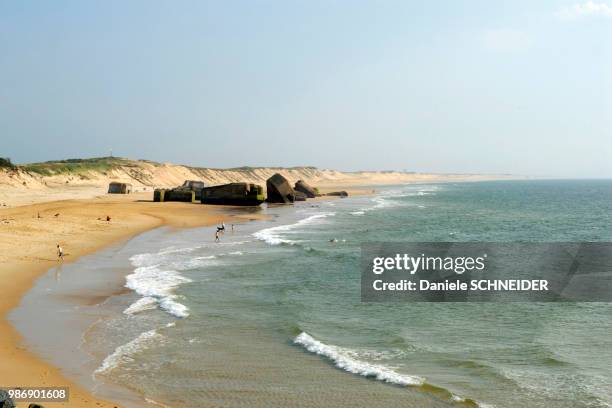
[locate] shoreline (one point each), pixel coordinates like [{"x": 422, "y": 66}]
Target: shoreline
[
  {"x": 81, "y": 296},
  {"x": 131, "y": 215},
  {"x": 89, "y": 316},
  {"x": 28, "y": 252}
]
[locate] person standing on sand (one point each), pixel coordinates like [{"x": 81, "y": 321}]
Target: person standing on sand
[{"x": 60, "y": 253}]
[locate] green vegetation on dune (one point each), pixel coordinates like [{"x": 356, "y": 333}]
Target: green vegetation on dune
[
  {"x": 133, "y": 167},
  {"x": 71, "y": 166},
  {"x": 5, "y": 162}
]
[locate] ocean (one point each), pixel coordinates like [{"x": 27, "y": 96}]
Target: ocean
[{"x": 272, "y": 316}]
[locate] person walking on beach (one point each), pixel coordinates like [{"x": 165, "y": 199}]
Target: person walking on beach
[
  {"x": 60, "y": 253},
  {"x": 217, "y": 235}
]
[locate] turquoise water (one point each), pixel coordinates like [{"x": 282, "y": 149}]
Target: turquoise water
[{"x": 271, "y": 316}]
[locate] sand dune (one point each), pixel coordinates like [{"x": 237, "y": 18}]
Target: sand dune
[{"x": 51, "y": 181}]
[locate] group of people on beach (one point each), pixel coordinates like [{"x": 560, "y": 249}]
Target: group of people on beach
[
  {"x": 220, "y": 230},
  {"x": 60, "y": 250}
]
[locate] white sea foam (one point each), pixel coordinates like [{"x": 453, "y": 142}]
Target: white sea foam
[
  {"x": 273, "y": 235},
  {"x": 173, "y": 307},
  {"x": 383, "y": 200},
  {"x": 344, "y": 359},
  {"x": 459, "y": 399},
  {"x": 156, "y": 284},
  {"x": 125, "y": 352},
  {"x": 153, "y": 281},
  {"x": 174, "y": 250},
  {"x": 192, "y": 263},
  {"x": 157, "y": 276},
  {"x": 145, "y": 259},
  {"x": 232, "y": 243},
  {"x": 159, "y": 404},
  {"x": 142, "y": 304},
  {"x": 183, "y": 250},
  {"x": 349, "y": 360}
]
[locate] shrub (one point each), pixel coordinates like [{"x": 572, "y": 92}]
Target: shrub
[{"x": 6, "y": 162}]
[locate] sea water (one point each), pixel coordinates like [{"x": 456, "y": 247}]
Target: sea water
[{"x": 271, "y": 315}]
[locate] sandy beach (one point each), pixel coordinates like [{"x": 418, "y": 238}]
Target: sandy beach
[
  {"x": 37, "y": 212},
  {"x": 27, "y": 248},
  {"x": 244, "y": 306},
  {"x": 28, "y": 237},
  {"x": 200, "y": 203}
]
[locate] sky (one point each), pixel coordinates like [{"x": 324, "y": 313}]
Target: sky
[{"x": 470, "y": 86}]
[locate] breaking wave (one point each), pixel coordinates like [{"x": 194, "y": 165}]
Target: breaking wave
[
  {"x": 156, "y": 285},
  {"x": 156, "y": 277},
  {"x": 392, "y": 198},
  {"x": 273, "y": 235},
  {"x": 344, "y": 359},
  {"x": 349, "y": 360},
  {"x": 142, "y": 304},
  {"x": 125, "y": 352}
]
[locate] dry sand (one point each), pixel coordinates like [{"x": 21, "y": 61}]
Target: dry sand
[{"x": 27, "y": 250}]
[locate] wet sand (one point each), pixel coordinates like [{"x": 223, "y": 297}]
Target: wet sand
[
  {"x": 28, "y": 238},
  {"x": 27, "y": 250},
  {"x": 238, "y": 370}
]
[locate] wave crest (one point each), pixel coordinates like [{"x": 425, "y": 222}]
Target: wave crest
[
  {"x": 273, "y": 235},
  {"x": 345, "y": 360},
  {"x": 125, "y": 352},
  {"x": 157, "y": 287}
]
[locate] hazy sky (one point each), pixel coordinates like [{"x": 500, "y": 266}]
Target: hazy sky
[{"x": 447, "y": 86}]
